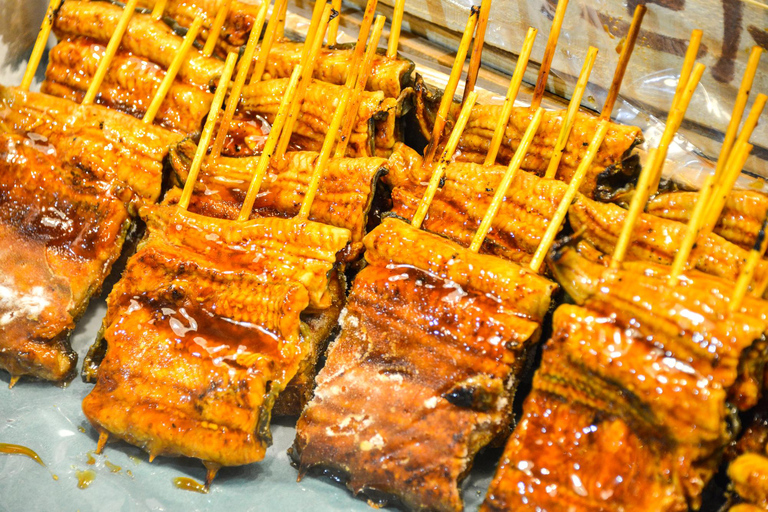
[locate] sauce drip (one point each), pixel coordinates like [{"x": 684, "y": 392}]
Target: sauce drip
[
  {"x": 187, "y": 484},
  {"x": 114, "y": 468},
  {"x": 16, "y": 449},
  {"x": 85, "y": 478},
  {"x": 91, "y": 461}
]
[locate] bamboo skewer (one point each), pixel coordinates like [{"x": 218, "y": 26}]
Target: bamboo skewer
[
  {"x": 736, "y": 161},
  {"x": 688, "y": 62},
  {"x": 237, "y": 86},
  {"x": 210, "y": 124},
  {"x": 318, "y": 15},
  {"x": 325, "y": 154},
  {"x": 450, "y": 88},
  {"x": 306, "y": 78},
  {"x": 173, "y": 70},
  {"x": 738, "y": 109},
  {"x": 509, "y": 100},
  {"x": 477, "y": 49},
  {"x": 333, "y": 27},
  {"x": 570, "y": 115},
  {"x": 394, "y": 31},
  {"x": 109, "y": 52},
  {"x": 362, "y": 79},
  {"x": 621, "y": 67},
  {"x": 362, "y": 37},
  {"x": 509, "y": 175},
  {"x": 215, "y": 30},
  {"x": 270, "y": 35},
  {"x": 703, "y": 204},
  {"x": 549, "y": 53},
  {"x": 650, "y": 174},
  {"x": 747, "y": 273},
  {"x": 570, "y": 194},
  {"x": 269, "y": 147},
  {"x": 280, "y": 32},
  {"x": 158, "y": 10},
  {"x": 720, "y": 196},
  {"x": 445, "y": 158},
  {"x": 40, "y": 42}
]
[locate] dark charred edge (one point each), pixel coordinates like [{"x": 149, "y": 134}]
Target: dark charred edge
[
  {"x": 265, "y": 415},
  {"x": 620, "y": 178},
  {"x": 97, "y": 351},
  {"x": 564, "y": 242},
  {"x": 761, "y": 236},
  {"x": 341, "y": 476},
  {"x": 19, "y": 368}
]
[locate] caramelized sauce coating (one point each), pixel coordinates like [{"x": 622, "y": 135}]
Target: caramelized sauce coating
[
  {"x": 203, "y": 332},
  {"x": 424, "y": 372},
  {"x": 62, "y": 231}
]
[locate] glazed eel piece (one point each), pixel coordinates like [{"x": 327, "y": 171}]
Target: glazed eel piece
[
  {"x": 656, "y": 240},
  {"x": 108, "y": 144},
  {"x": 630, "y": 408},
  {"x": 237, "y": 25},
  {"x": 60, "y": 230},
  {"x": 144, "y": 37},
  {"x": 740, "y": 221},
  {"x": 343, "y": 200},
  {"x": 203, "y": 332},
  {"x": 129, "y": 85},
  {"x": 748, "y": 469},
  {"x": 424, "y": 371},
  {"x": 612, "y": 170},
  {"x": 467, "y": 191},
  {"x": 376, "y": 128}
]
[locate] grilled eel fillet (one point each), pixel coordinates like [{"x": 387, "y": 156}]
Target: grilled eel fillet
[
  {"x": 610, "y": 171},
  {"x": 632, "y": 394},
  {"x": 129, "y": 85},
  {"x": 374, "y": 133},
  {"x": 158, "y": 43},
  {"x": 343, "y": 199},
  {"x": 113, "y": 147},
  {"x": 460, "y": 204},
  {"x": 748, "y": 470},
  {"x": 656, "y": 240},
  {"x": 235, "y": 31},
  {"x": 740, "y": 221},
  {"x": 151, "y": 40},
  {"x": 423, "y": 373},
  {"x": 61, "y": 232},
  {"x": 203, "y": 332}
]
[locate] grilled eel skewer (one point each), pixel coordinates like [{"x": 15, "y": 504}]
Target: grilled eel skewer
[
  {"x": 203, "y": 332},
  {"x": 157, "y": 43},
  {"x": 740, "y": 221},
  {"x": 610, "y": 171},
  {"x": 67, "y": 204},
  {"x": 630, "y": 407},
  {"x": 424, "y": 371},
  {"x": 344, "y": 196}
]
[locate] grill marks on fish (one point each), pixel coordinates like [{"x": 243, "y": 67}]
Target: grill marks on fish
[
  {"x": 423, "y": 374},
  {"x": 203, "y": 332},
  {"x": 639, "y": 372}
]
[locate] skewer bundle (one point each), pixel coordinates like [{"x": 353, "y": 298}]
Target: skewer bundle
[{"x": 290, "y": 291}]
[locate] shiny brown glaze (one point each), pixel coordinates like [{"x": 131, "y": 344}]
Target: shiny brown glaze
[
  {"x": 343, "y": 200},
  {"x": 112, "y": 147},
  {"x": 144, "y": 37},
  {"x": 372, "y": 134},
  {"x": 461, "y": 203},
  {"x": 476, "y": 139},
  {"x": 388, "y": 75},
  {"x": 749, "y": 474},
  {"x": 62, "y": 230},
  {"x": 740, "y": 221},
  {"x": 424, "y": 372},
  {"x": 632, "y": 393},
  {"x": 237, "y": 25},
  {"x": 129, "y": 85},
  {"x": 656, "y": 240},
  {"x": 203, "y": 332}
]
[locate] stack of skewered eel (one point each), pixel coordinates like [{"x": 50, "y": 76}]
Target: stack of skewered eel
[{"x": 265, "y": 255}]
